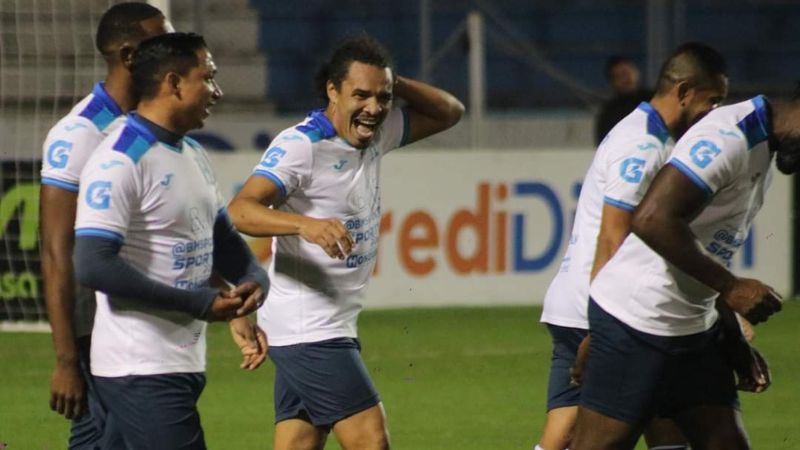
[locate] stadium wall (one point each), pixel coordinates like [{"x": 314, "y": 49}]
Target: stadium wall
[{"x": 490, "y": 227}]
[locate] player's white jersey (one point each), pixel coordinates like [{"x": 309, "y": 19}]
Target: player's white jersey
[
  {"x": 67, "y": 148},
  {"x": 726, "y": 154},
  {"x": 161, "y": 202},
  {"x": 314, "y": 297},
  {"x": 622, "y": 169}
]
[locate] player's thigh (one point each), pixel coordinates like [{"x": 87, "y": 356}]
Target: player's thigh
[
  {"x": 562, "y": 395},
  {"x": 560, "y": 390},
  {"x": 155, "y": 411},
  {"x": 95, "y": 428},
  {"x": 299, "y": 434},
  {"x": 623, "y": 375},
  {"x": 559, "y": 428},
  {"x": 325, "y": 381},
  {"x": 713, "y": 427},
  {"x": 663, "y": 433},
  {"x": 365, "y": 430},
  {"x": 596, "y": 431}
]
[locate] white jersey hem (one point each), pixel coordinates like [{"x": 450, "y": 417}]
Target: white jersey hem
[
  {"x": 125, "y": 371},
  {"x": 646, "y": 327}
]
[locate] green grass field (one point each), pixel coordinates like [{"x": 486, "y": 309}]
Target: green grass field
[{"x": 450, "y": 379}]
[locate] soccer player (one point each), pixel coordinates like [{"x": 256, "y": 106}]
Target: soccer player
[
  {"x": 68, "y": 145},
  {"x": 317, "y": 190},
  {"x": 151, "y": 230},
  {"x": 658, "y": 305},
  {"x": 691, "y": 83}
]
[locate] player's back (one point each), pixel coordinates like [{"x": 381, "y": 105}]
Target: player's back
[
  {"x": 619, "y": 174},
  {"x": 726, "y": 155}
]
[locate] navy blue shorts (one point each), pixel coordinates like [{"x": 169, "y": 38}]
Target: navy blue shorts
[
  {"x": 93, "y": 429},
  {"x": 323, "y": 382},
  {"x": 632, "y": 376},
  {"x": 560, "y": 392},
  {"x": 156, "y": 412}
]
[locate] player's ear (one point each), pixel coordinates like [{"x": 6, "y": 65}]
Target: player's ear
[
  {"x": 126, "y": 54},
  {"x": 333, "y": 93},
  {"x": 685, "y": 92},
  {"x": 173, "y": 81}
]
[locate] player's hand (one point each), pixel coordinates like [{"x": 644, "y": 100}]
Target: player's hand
[
  {"x": 224, "y": 307},
  {"x": 576, "y": 371},
  {"x": 68, "y": 390},
  {"x": 252, "y": 342},
  {"x": 253, "y": 296},
  {"x": 330, "y": 234},
  {"x": 751, "y": 368},
  {"x": 754, "y": 300}
]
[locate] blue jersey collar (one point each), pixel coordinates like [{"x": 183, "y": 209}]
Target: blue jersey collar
[
  {"x": 755, "y": 125},
  {"x": 655, "y": 124},
  {"x": 153, "y": 132},
  {"x": 99, "y": 92}
]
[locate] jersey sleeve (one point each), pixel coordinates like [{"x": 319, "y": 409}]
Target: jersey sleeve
[
  {"x": 394, "y": 130},
  {"x": 708, "y": 163},
  {"x": 286, "y": 162},
  {"x": 67, "y": 148},
  {"x": 109, "y": 190},
  {"x": 629, "y": 170}
]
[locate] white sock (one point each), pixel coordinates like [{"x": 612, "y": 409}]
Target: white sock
[{"x": 537, "y": 447}]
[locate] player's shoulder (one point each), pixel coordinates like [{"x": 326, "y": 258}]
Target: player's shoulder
[
  {"x": 643, "y": 130},
  {"x": 133, "y": 140},
  {"x": 314, "y": 129}
]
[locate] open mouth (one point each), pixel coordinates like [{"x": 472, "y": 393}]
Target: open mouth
[{"x": 365, "y": 127}]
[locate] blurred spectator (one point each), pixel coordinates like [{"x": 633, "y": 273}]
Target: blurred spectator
[{"x": 624, "y": 79}]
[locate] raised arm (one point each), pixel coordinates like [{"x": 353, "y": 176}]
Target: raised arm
[{"x": 431, "y": 110}]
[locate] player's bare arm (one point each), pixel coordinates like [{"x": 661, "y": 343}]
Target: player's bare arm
[
  {"x": 662, "y": 222},
  {"x": 57, "y": 218},
  {"x": 431, "y": 110},
  {"x": 252, "y": 214},
  {"x": 615, "y": 225}
]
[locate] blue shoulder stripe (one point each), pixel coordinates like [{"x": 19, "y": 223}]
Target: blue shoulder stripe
[
  {"x": 102, "y": 109},
  {"x": 99, "y": 232},
  {"x": 135, "y": 140},
  {"x": 318, "y": 127},
  {"x": 655, "y": 124},
  {"x": 684, "y": 169},
  {"x": 754, "y": 125}
]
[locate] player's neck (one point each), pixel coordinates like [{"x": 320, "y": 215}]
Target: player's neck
[
  {"x": 159, "y": 115},
  {"x": 669, "y": 111},
  {"x": 118, "y": 87}
]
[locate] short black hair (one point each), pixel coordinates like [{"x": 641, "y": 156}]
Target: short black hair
[
  {"x": 696, "y": 63},
  {"x": 614, "y": 60},
  {"x": 123, "y": 22},
  {"x": 159, "y": 55},
  {"x": 361, "y": 48}
]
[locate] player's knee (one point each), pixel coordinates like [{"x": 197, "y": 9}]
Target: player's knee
[
  {"x": 730, "y": 439},
  {"x": 371, "y": 439}
]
